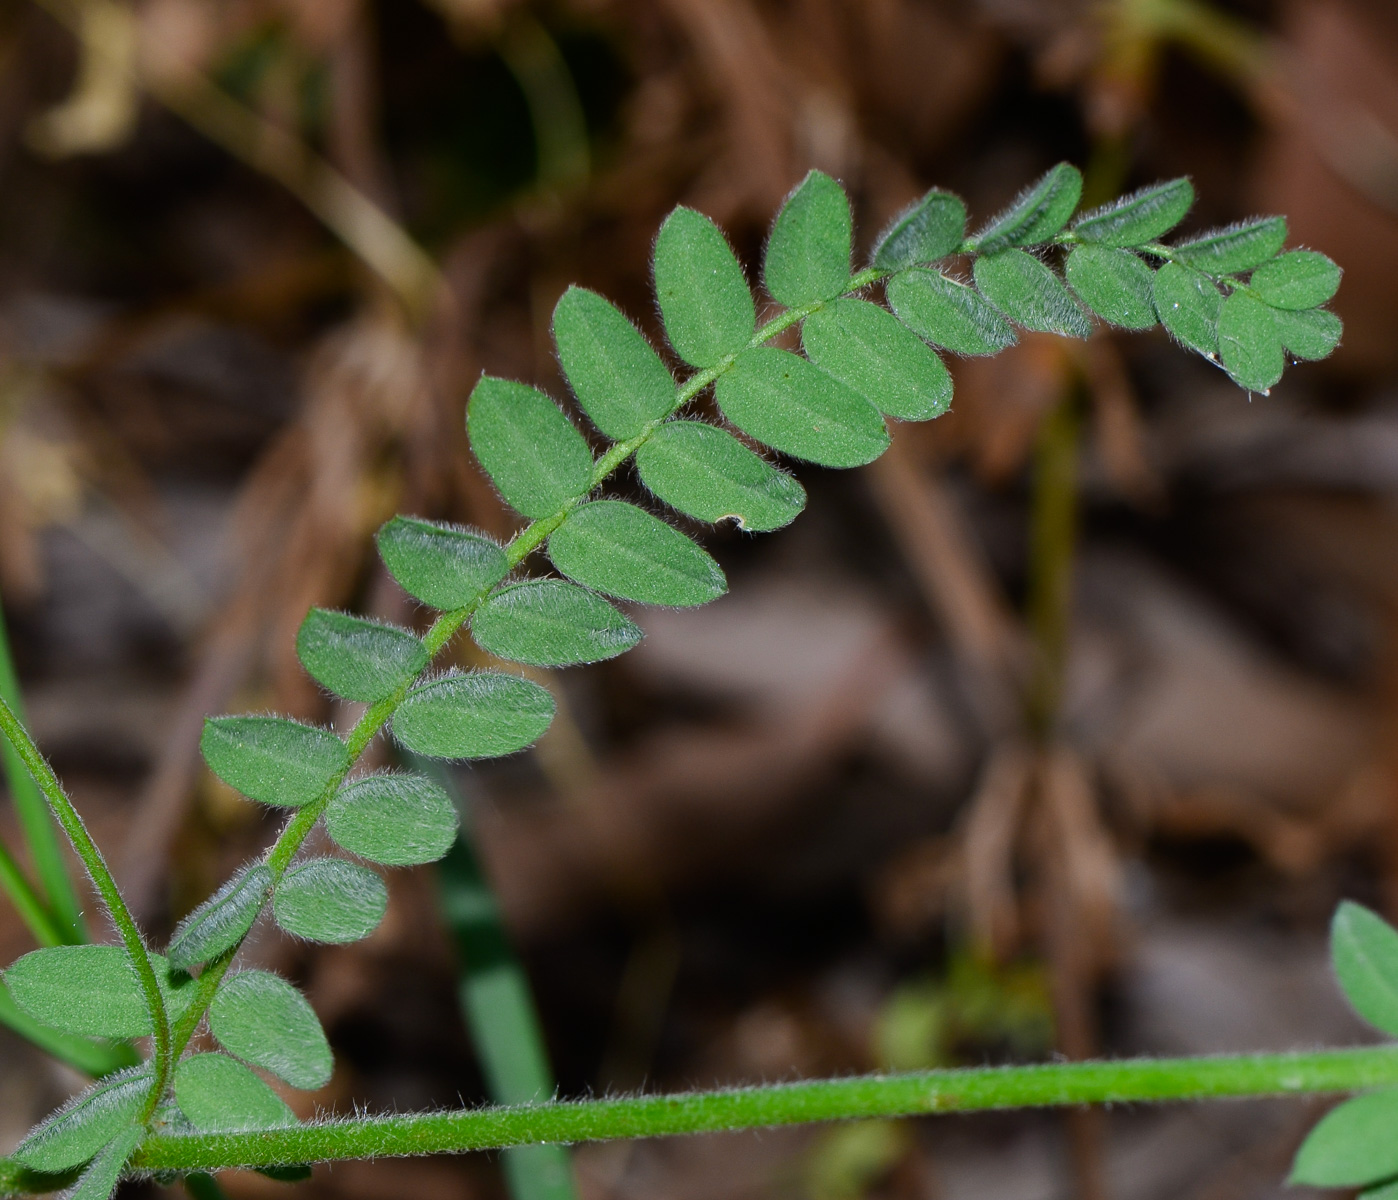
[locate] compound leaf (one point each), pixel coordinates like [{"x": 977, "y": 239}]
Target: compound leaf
[
  {"x": 619, "y": 380},
  {"x": 1311, "y": 334},
  {"x": 103, "y": 1173},
  {"x": 1353, "y": 1144},
  {"x": 530, "y": 450},
  {"x": 551, "y": 623},
  {"x": 355, "y": 658},
  {"x": 1038, "y": 212},
  {"x": 1248, "y": 342},
  {"x": 1187, "y": 304},
  {"x": 1027, "y": 292},
  {"x": 706, "y": 473},
  {"x": 93, "y": 990},
  {"x": 1140, "y": 217},
  {"x": 931, "y": 229},
  {"x": 220, "y": 1095},
  {"x": 265, "y": 1021},
  {"x": 1239, "y": 247},
  {"x": 869, "y": 350},
  {"x": 86, "y": 1123},
  {"x": 394, "y": 819},
  {"x": 441, "y": 565},
  {"x": 808, "y": 252},
  {"x": 272, "y": 759},
  {"x": 330, "y": 900},
  {"x": 1114, "y": 283},
  {"x": 704, "y": 299},
  {"x": 222, "y": 919},
  {"x": 483, "y": 714},
  {"x": 1364, "y": 950},
  {"x": 1296, "y": 280},
  {"x": 948, "y": 314}
]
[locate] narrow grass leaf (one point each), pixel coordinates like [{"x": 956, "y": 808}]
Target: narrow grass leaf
[
  {"x": 1353, "y": 1144},
  {"x": 808, "y": 253},
  {"x": 272, "y": 759},
  {"x": 1113, "y": 283},
  {"x": 74, "y": 1133},
  {"x": 948, "y": 314},
  {"x": 1187, "y": 304},
  {"x": 1296, "y": 280},
  {"x": 1364, "y": 950},
  {"x": 330, "y": 900},
  {"x": 1239, "y": 247},
  {"x": 93, "y": 990},
  {"x": 619, "y": 380},
  {"x": 530, "y": 450},
  {"x": 441, "y": 565},
  {"x": 220, "y": 1095},
  {"x": 931, "y": 229},
  {"x": 1027, "y": 292},
  {"x": 1311, "y": 334},
  {"x": 1141, "y": 217},
  {"x": 222, "y": 919},
  {"x": 704, "y": 299},
  {"x": 790, "y": 404},
  {"x": 355, "y": 658},
  {"x": 394, "y": 819},
  {"x": 1248, "y": 343},
  {"x": 706, "y": 473},
  {"x": 265, "y": 1021},
  {"x": 623, "y": 551},
  {"x": 551, "y": 623},
  {"x": 1036, "y": 215},
  {"x": 103, "y": 1173},
  {"x": 483, "y": 714}
]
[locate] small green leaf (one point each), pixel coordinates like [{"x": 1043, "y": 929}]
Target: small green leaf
[
  {"x": 948, "y": 314},
  {"x": 93, "y": 990},
  {"x": 706, "y": 473},
  {"x": 1353, "y": 1144},
  {"x": 86, "y": 1123},
  {"x": 1364, "y": 950},
  {"x": 703, "y": 296},
  {"x": 483, "y": 714},
  {"x": 931, "y": 229},
  {"x": 530, "y": 450},
  {"x": 442, "y": 565},
  {"x": 1310, "y": 334},
  {"x": 1027, "y": 292},
  {"x": 1036, "y": 215},
  {"x": 790, "y": 404},
  {"x": 868, "y": 349},
  {"x": 357, "y": 659},
  {"x": 1296, "y": 280},
  {"x": 1239, "y": 247},
  {"x": 1141, "y": 217},
  {"x": 1384, "y": 1191},
  {"x": 1187, "y": 304},
  {"x": 808, "y": 252},
  {"x": 265, "y": 1021},
  {"x": 222, "y": 919},
  {"x": 551, "y": 623},
  {"x": 272, "y": 759},
  {"x": 1114, "y": 283},
  {"x": 1248, "y": 343},
  {"x": 220, "y": 1095},
  {"x": 394, "y": 819},
  {"x": 618, "y": 379},
  {"x": 103, "y": 1174},
  {"x": 330, "y": 900}
]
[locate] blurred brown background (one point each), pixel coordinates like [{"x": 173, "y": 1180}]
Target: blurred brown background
[{"x": 253, "y": 256}]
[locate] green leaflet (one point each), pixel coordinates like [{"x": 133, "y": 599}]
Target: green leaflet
[
  {"x": 808, "y": 253},
  {"x": 394, "y": 819},
  {"x": 1239, "y": 247},
  {"x": 704, "y": 299},
  {"x": 483, "y": 714},
  {"x": 1037, "y": 213},
  {"x": 1364, "y": 949},
  {"x": 619, "y": 381},
  {"x": 355, "y": 658},
  {"x": 1296, "y": 280},
  {"x": 931, "y": 229},
  {"x": 948, "y": 314},
  {"x": 551, "y": 623},
  {"x": 623, "y": 551},
  {"x": 442, "y": 565},
  {"x": 1353, "y": 1144},
  {"x": 1311, "y": 334},
  {"x": 100, "y": 1179},
  {"x": 1384, "y": 1191},
  {"x": 1027, "y": 292},
  {"x": 220, "y": 1095},
  {"x": 330, "y": 900},
  {"x": 1187, "y": 304},
  {"x": 222, "y": 919},
  {"x": 70, "y": 1136},
  {"x": 706, "y": 473},
  {"x": 530, "y": 450},
  {"x": 790, "y": 404},
  {"x": 272, "y": 759},
  {"x": 1114, "y": 283},
  {"x": 1140, "y": 217},
  {"x": 93, "y": 990},
  {"x": 1248, "y": 342},
  {"x": 265, "y": 1021}
]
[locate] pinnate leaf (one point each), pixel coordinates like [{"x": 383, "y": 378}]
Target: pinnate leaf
[
  {"x": 704, "y": 299},
  {"x": 1140, "y": 217},
  {"x": 1114, "y": 283},
  {"x": 86, "y": 1123},
  {"x": 330, "y": 900},
  {"x": 395, "y": 819},
  {"x": 1239, "y": 247},
  {"x": 551, "y": 623},
  {"x": 355, "y": 658},
  {"x": 103, "y": 1173},
  {"x": 220, "y": 1095},
  {"x": 706, "y": 473},
  {"x": 265, "y": 1021},
  {"x": 1036, "y": 215},
  {"x": 1027, "y": 292},
  {"x": 1248, "y": 342},
  {"x": 1352, "y": 1145},
  {"x": 1188, "y": 304},
  {"x": 1296, "y": 280},
  {"x": 948, "y": 314},
  {"x": 931, "y": 229},
  {"x": 1364, "y": 950},
  {"x": 483, "y": 714},
  {"x": 272, "y": 759},
  {"x": 442, "y": 565},
  {"x": 1311, "y": 334},
  {"x": 530, "y": 450},
  {"x": 93, "y": 990},
  {"x": 222, "y": 919},
  {"x": 808, "y": 252}
]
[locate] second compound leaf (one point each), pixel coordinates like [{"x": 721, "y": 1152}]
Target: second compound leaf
[
  {"x": 551, "y": 623},
  {"x": 1248, "y": 343},
  {"x": 483, "y": 714},
  {"x": 395, "y": 819},
  {"x": 1187, "y": 304},
  {"x": 1239, "y": 247},
  {"x": 808, "y": 253},
  {"x": 220, "y": 1095},
  {"x": 929, "y": 230},
  {"x": 330, "y": 900},
  {"x": 262, "y": 1019},
  {"x": 704, "y": 299},
  {"x": 1141, "y": 217},
  {"x": 1030, "y": 294},
  {"x": 218, "y": 923},
  {"x": 1295, "y": 280},
  {"x": 1036, "y": 215},
  {"x": 1364, "y": 950},
  {"x": 441, "y": 565},
  {"x": 86, "y": 1123},
  {"x": 355, "y": 658},
  {"x": 1353, "y": 1144},
  {"x": 1113, "y": 283},
  {"x": 948, "y": 314},
  {"x": 273, "y": 760}
]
